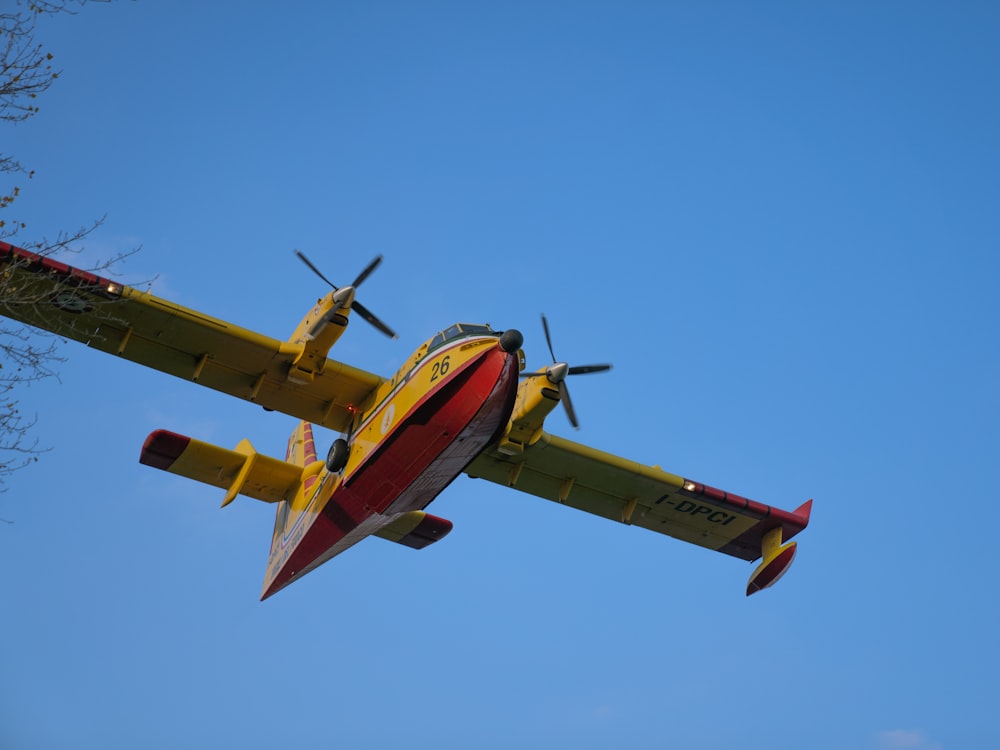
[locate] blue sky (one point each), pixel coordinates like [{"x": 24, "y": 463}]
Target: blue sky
[{"x": 779, "y": 223}]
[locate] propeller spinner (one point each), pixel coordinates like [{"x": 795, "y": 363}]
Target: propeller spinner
[
  {"x": 345, "y": 296},
  {"x": 558, "y": 371}
]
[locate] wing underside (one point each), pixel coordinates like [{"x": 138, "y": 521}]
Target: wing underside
[
  {"x": 632, "y": 493},
  {"x": 154, "y": 332}
]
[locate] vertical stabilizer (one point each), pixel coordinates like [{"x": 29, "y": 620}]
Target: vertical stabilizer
[{"x": 301, "y": 451}]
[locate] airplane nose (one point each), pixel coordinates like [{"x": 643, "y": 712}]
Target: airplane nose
[{"x": 511, "y": 340}]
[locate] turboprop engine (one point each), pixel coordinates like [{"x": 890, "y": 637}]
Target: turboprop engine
[
  {"x": 538, "y": 395},
  {"x": 326, "y": 322}
]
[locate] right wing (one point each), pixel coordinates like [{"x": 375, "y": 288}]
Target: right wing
[
  {"x": 165, "y": 336},
  {"x": 631, "y": 493}
]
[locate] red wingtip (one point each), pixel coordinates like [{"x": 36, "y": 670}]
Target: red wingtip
[{"x": 803, "y": 511}]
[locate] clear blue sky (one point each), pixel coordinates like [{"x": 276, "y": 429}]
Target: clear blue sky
[{"x": 778, "y": 221}]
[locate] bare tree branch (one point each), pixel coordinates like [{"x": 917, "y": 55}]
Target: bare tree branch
[{"x": 26, "y": 355}]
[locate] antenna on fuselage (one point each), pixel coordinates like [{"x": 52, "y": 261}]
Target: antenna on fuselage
[{"x": 345, "y": 296}]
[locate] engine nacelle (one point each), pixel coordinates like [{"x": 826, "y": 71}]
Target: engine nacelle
[
  {"x": 536, "y": 398},
  {"x": 317, "y": 333}
]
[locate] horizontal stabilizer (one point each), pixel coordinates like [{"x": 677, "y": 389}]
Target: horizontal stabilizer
[
  {"x": 415, "y": 529},
  {"x": 241, "y": 471}
]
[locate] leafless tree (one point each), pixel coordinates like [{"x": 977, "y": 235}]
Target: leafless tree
[{"x": 26, "y": 355}]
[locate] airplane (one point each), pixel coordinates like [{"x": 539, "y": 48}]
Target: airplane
[{"x": 461, "y": 403}]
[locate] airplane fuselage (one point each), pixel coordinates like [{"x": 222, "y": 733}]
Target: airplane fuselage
[{"x": 423, "y": 427}]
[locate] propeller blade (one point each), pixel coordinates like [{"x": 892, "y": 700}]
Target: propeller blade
[
  {"x": 348, "y": 293},
  {"x": 548, "y": 338},
  {"x": 558, "y": 371},
  {"x": 304, "y": 259},
  {"x": 568, "y": 405},
  {"x": 365, "y": 313},
  {"x": 585, "y": 369},
  {"x": 367, "y": 272}
]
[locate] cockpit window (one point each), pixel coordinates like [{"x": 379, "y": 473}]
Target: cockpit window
[{"x": 461, "y": 330}]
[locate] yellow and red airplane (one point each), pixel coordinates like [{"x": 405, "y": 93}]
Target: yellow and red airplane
[{"x": 460, "y": 403}]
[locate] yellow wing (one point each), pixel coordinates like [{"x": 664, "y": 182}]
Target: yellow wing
[
  {"x": 138, "y": 326},
  {"x": 631, "y": 493}
]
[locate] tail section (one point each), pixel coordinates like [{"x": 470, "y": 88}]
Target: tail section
[
  {"x": 301, "y": 449},
  {"x": 290, "y": 484},
  {"x": 306, "y": 529}
]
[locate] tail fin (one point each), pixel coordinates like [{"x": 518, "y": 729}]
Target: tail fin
[{"x": 301, "y": 449}]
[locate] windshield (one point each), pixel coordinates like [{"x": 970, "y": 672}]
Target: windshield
[{"x": 461, "y": 330}]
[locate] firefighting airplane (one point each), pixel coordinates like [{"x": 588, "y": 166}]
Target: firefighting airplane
[{"x": 460, "y": 403}]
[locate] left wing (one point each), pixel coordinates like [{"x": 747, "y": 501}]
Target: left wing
[
  {"x": 157, "y": 333},
  {"x": 629, "y": 492}
]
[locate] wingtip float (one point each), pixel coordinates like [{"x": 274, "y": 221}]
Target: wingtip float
[
  {"x": 777, "y": 558},
  {"x": 462, "y": 402}
]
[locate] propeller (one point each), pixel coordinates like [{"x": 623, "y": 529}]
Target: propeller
[
  {"x": 558, "y": 371},
  {"x": 344, "y": 296}
]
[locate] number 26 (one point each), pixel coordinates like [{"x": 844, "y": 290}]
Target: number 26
[{"x": 440, "y": 368}]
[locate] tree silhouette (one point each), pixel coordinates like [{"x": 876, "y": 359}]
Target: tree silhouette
[{"x": 26, "y": 355}]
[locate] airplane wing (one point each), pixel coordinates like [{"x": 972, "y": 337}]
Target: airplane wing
[
  {"x": 629, "y": 492},
  {"x": 138, "y": 326}
]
